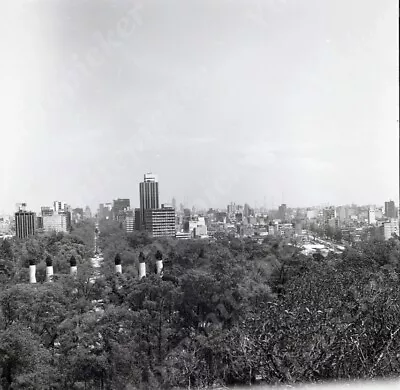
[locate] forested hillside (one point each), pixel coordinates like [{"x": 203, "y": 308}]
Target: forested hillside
[{"x": 222, "y": 312}]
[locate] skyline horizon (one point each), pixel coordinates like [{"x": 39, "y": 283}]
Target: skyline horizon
[{"x": 254, "y": 205}]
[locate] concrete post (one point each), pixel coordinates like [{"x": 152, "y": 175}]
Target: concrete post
[{"x": 32, "y": 273}]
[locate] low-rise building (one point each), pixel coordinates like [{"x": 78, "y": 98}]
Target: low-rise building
[
  {"x": 389, "y": 228},
  {"x": 56, "y": 222}
]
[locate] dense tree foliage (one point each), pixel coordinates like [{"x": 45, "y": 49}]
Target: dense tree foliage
[{"x": 225, "y": 312}]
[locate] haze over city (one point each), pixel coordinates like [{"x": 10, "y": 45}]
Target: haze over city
[{"x": 246, "y": 101}]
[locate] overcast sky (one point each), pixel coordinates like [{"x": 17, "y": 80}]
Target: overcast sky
[{"x": 226, "y": 100}]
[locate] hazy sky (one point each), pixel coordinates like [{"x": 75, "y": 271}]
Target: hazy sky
[{"x": 293, "y": 100}]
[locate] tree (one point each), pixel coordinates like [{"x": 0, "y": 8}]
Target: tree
[
  {"x": 23, "y": 361},
  {"x": 6, "y": 252}
]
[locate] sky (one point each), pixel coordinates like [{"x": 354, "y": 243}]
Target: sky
[{"x": 264, "y": 102}]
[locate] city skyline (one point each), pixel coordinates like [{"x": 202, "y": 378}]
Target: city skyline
[
  {"x": 254, "y": 205},
  {"x": 250, "y": 102}
]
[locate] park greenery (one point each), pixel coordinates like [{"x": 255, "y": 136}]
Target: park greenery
[{"x": 226, "y": 311}]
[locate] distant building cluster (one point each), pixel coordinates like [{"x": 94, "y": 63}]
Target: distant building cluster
[
  {"x": 356, "y": 221},
  {"x": 56, "y": 218},
  {"x": 348, "y": 223},
  {"x": 157, "y": 221}
]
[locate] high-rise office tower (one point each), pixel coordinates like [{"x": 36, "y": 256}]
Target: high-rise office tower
[
  {"x": 148, "y": 191},
  {"x": 390, "y": 209},
  {"x": 25, "y": 222},
  {"x": 160, "y": 222}
]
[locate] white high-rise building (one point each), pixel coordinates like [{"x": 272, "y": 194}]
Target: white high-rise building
[
  {"x": 130, "y": 223},
  {"x": 59, "y": 206},
  {"x": 160, "y": 222},
  {"x": 371, "y": 217}
]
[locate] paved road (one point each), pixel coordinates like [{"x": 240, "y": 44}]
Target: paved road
[{"x": 98, "y": 258}]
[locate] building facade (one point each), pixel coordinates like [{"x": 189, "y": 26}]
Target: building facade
[
  {"x": 5, "y": 225},
  {"x": 371, "y": 217},
  {"x": 59, "y": 206},
  {"x": 25, "y": 222},
  {"x": 119, "y": 206},
  {"x": 328, "y": 214},
  {"x": 389, "y": 228},
  {"x": 160, "y": 222},
  {"x": 390, "y": 209},
  {"x": 105, "y": 211},
  {"x": 88, "y": 213},
  {"x": 77, "y": 214},
  {"x": 57, "y": 222},
  {"x": 282, "y": 212},
  {"x": 130, "y": 223},
  {"x": 149, "y": 196}
]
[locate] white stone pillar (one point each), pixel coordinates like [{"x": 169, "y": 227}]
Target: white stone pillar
[
  {"x": 159, "y": 265},
  {"x": 142, "y": 270},
  {"x": 32, "y": 273},
  {"x": 49, "y": 273},
  {"x": 117, "y": 262},
  {"x": 74, "y": 270},
  {"x": 49, "y": 269}
]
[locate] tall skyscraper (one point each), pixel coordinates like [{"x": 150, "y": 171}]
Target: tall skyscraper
[
  {"x": 390, "y": 209},
  {"x": 149, "y": 199},
  {"x": 24, "y": 222}
]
